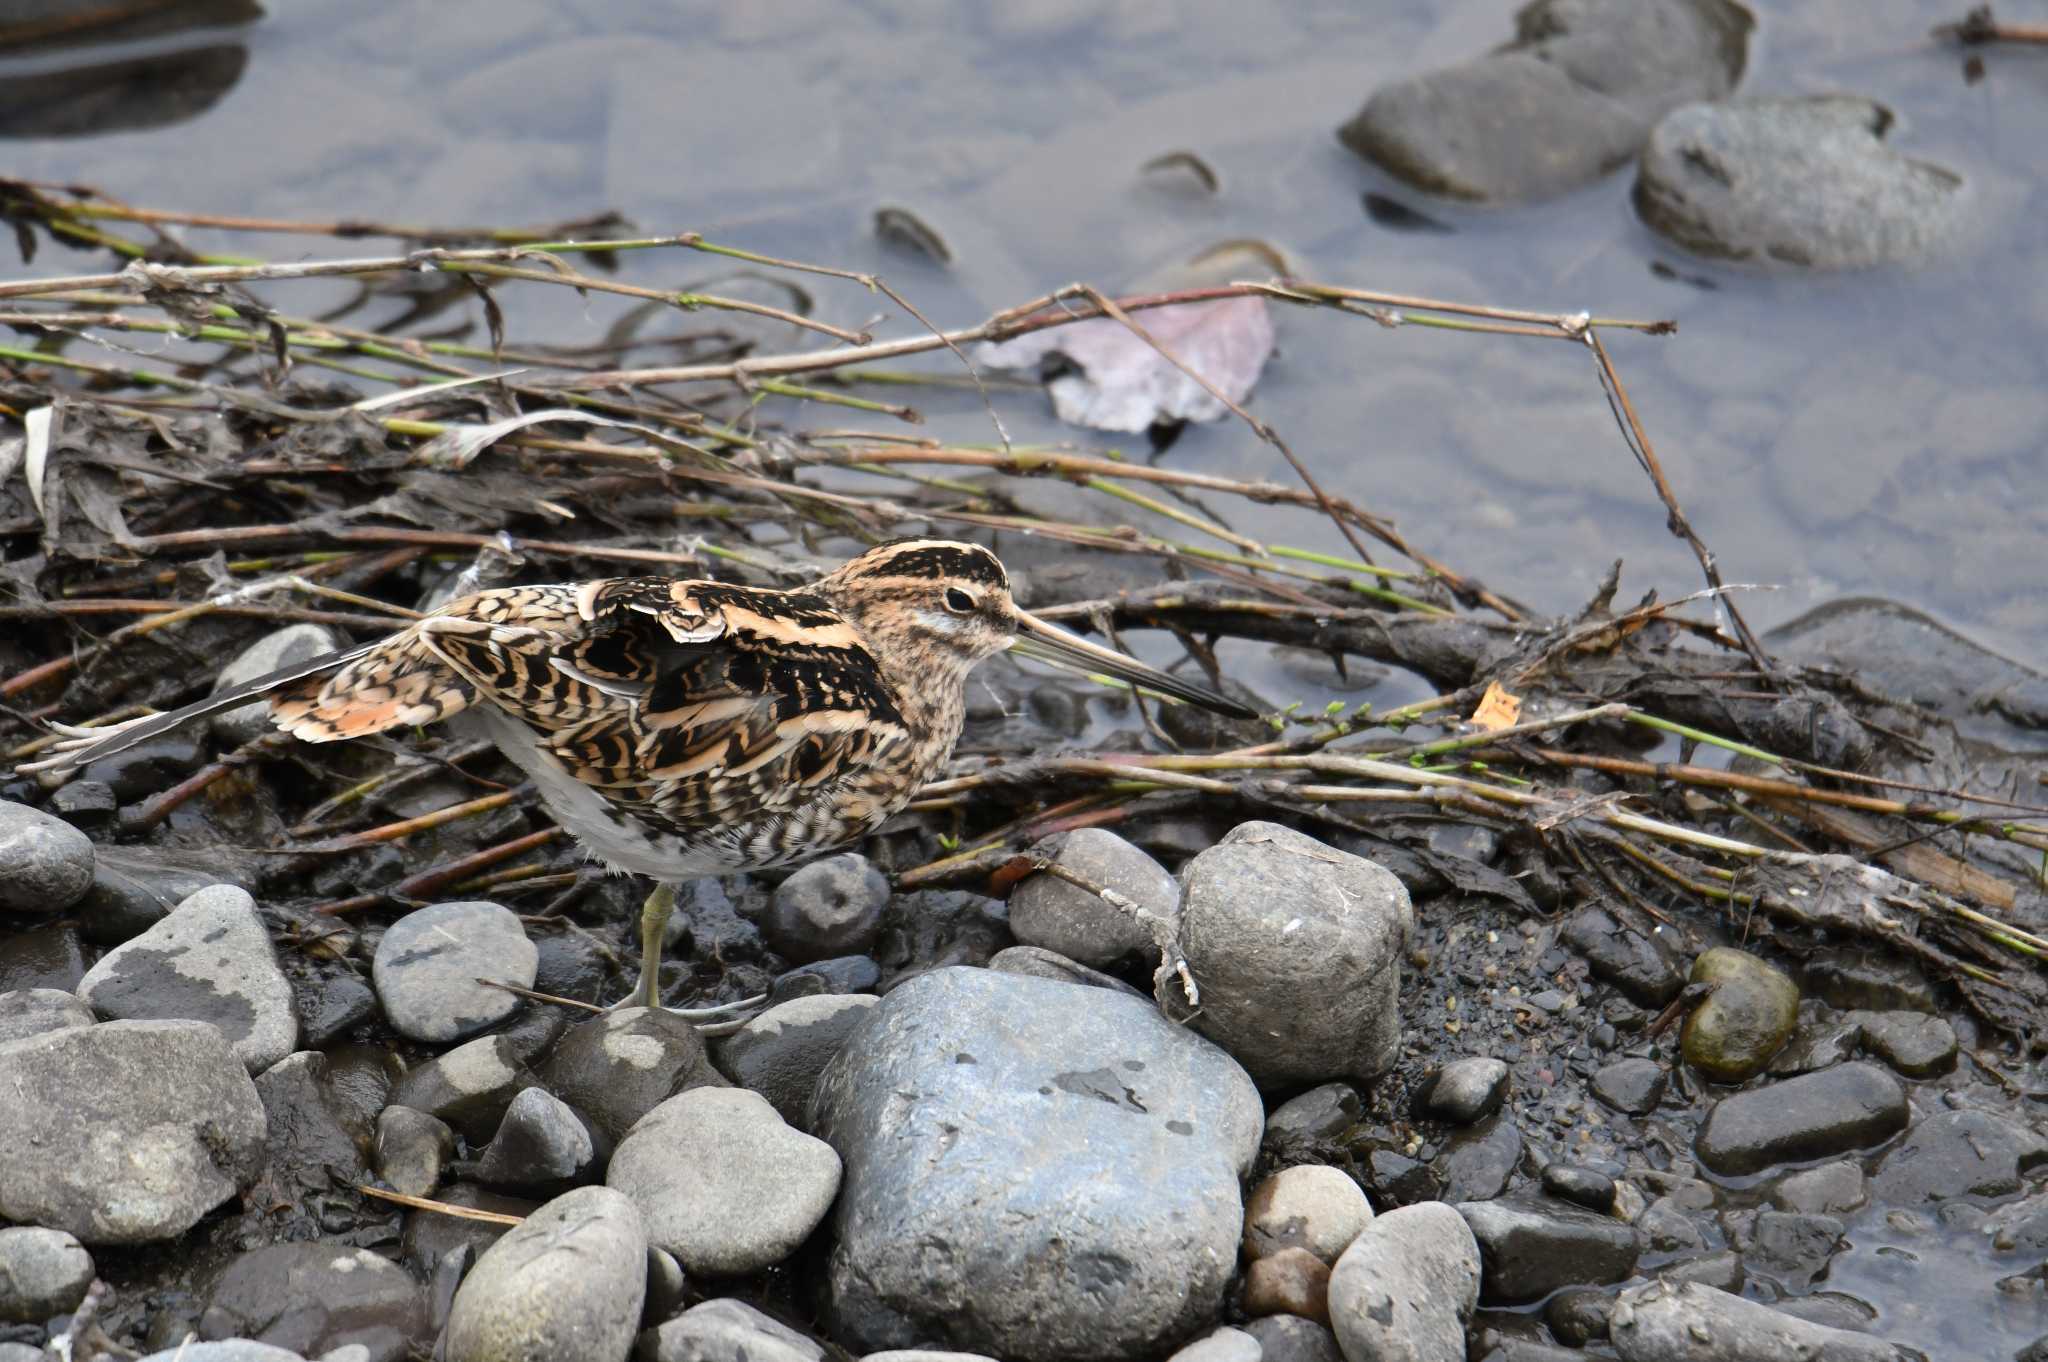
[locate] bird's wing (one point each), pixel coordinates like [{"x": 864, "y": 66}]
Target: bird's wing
[{"x": 690, "y": 701}]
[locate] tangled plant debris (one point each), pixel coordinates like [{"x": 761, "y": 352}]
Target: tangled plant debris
[{"x": 248, "y": 467}]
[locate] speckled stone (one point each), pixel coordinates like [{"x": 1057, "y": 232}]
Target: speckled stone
[
  {"x": 210, "y": 960},
  {"x": 428, "y": 964}
]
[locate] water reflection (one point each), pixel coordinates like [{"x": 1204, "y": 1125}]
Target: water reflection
[{"x": 48, "y": 89}]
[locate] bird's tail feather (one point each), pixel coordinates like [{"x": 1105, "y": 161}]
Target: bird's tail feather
[{"x": 394, "y": 682}]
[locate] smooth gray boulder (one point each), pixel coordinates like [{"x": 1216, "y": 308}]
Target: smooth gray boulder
[
  {"x": 209, "y": 960},
  {"x": 566, "y": 1282},
  {"x": 1806, "y": 182},
  {"x": 1296, "y": 949},
  {"x": 427, "y": 968},
  {"x": 722, "y": 1182},
  {"x": 125, "y": 1132},
  {"x": 1406, "y": 1288},
  {"x": 1034, "y": 1170},
  {"x": 1688, "y": 1322}
]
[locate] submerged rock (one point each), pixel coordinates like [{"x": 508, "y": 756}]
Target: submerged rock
[
  {"x": 1805, "y": 181},
  {"x": 1113, "y": 1139},
  {"x": 1689, "y": 1322},
  {"x": 1570, "y": 99},
  {"x": 1958, "y": 1153}
]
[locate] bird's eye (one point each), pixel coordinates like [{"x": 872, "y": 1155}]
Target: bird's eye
[{"x": 958, "y": 601}]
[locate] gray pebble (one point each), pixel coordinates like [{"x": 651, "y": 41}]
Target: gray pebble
[
  {"x": 1824, "y": 1190},
  {"x": 1041, "y": 963},
  {"x": 45, "y": 863},
  {"x": 1631, "y": 1086},
  {"x": 428, "y": 965},
  {"x": 780, "y": 1053},
  {"x": 1533, "y": 1246},
  {"x": 88, "y": 805},
  {"x": 1290, "y": 1338},
  {"x": 469, "y": 1087},
  {"x": 567, "y": 1282},
  {"x": 1060, "y": 916},
  {"x": 730, "y": 1331},
  {"x": 1220, "y": 1345},
  {"x": 314, "y": 1297},
  {"x": 286, "y": 647},
  {"x": 924, "y": 1355},
  {"x": 333, "y": 1008},
  {"x": 169, "y": 1128},
  {"x": 211, "y": 960},
  {"x": 1311, "y": 1206},
  {"x": 1468, "y": 1090},
  {"x": 225, "y": 1350},
  {"x": 412, "y": 1150},
  {"x": 828, "y": 908},
  {"x": 1406, "y": 1288},
  {"x": 541, "y": 1145},
  {"x": 32, "y": 1011},
  {"x": 1296, "y": 948},
  {"x": 1833, "y": 1111},
  {"x": 722, "y": 1182},
  {"x": 1582, "y": 1186},
  {"x": 1688, "y": 1322},
  {"x": 42, "y": 1273},
  {"x": 840, "y": 974},
  {"x": 1321, "y": 1113},
  {"x": 1912, "y": 1043},
  {"x": 616, "y": 1068}
]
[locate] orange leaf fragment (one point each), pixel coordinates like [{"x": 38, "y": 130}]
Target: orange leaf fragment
[{"x": 1497, "y": 709}]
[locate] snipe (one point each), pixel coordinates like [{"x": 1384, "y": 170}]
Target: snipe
[{"x": 687, "y": 728}]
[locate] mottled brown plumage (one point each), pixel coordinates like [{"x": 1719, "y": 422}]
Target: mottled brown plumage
[{"x": 685, "y": 728}]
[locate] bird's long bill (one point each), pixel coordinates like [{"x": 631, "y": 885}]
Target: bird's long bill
[{"x": 1049, "y": 643}]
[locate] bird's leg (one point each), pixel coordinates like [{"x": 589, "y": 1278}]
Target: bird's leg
[
  {"x": 654, "y": 915},
  {"x": 719, "y": 1019}
]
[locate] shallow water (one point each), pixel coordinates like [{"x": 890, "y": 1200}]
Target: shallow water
[
  {"x": 1873, "y": 434},
  {"x": 1878, "y": 434}
]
